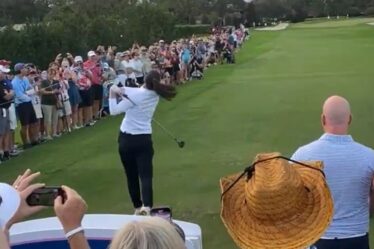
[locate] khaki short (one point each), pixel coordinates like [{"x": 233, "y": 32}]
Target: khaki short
[{"x": 66, "y": 111}]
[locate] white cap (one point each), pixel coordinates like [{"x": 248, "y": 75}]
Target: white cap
[
  {"x": 78, "y": 59},
  {"x": 106, "y": 65},
  {"x": 4, "y": 69},
  {"x": 10, "y": 201},
  {"x": 161, "y": 41},
  {"x": 91, "y": 53}
]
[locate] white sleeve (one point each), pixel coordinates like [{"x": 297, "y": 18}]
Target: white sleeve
[{"x": 118, "y": 108}]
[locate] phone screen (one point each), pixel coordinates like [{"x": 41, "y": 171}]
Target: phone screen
[
  {"x": 163, "y": 212},
  {"x": 44, "y": 196}
]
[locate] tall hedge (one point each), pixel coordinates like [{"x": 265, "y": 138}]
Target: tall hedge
[
  {"x": 73, "y": 31},
  {"x": 188, "y": 30}
]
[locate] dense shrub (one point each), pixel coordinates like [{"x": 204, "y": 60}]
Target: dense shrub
[
  {"x": 369, "y": 11},
  {"x": 188, "y": 30},
  {"x": 69, "y": 31}
]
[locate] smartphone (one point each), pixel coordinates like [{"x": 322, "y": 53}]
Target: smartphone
[
  {"x": 162, "y": 212},
  {"x": 44, "y": 196}
]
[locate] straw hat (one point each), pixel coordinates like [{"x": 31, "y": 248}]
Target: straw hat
[{"x": 281, "y": 205}]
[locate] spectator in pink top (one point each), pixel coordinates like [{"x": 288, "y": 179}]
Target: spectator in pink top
[
  {"x": 93, "y": 65},
  {"x": 84, "y": 85}
]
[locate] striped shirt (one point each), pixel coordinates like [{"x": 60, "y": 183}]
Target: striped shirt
[{"x": 349, "y": 169}]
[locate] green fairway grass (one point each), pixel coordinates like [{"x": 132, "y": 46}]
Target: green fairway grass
[
  {"x": 333, "y": 22},
  {"x": 269, "y": 101}
]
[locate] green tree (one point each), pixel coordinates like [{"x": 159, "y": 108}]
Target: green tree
[{"x": 147, "y": 23}]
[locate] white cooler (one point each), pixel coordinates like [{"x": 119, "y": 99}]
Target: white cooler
[{"x": 99, "y": 229}]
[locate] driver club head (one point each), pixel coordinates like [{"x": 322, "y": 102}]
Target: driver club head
[{"x": 181, "y": 144}]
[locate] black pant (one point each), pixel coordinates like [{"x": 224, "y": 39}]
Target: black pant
[
  {"x": 97, "y": 92},
  {"x": 26, "y": 113},
  {"x": 136, "y": 153},
  {"x": 140, "y": 80},
  {"x": 353, "y": 243}
]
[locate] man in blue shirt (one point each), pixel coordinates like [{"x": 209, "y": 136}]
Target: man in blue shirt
[
  {"x": 349, "y": 169},
  {"x": 23, "y": 90},
  {"x": 12, "y": 110},
  {"x": 6, "y": 96}
]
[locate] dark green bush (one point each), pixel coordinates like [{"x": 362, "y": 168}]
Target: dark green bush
[
  {"x": 369, "y": 11},
  {"x": 181, "y": 31}
]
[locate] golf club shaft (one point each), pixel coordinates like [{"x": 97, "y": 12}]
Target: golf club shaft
[
  {"x": 155, "y": 121},
  {"x": 165, "y": 130}
]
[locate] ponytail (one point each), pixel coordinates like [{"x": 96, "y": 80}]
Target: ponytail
[{"x": 153, "y": 82}]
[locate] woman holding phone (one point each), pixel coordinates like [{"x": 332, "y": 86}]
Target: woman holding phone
[{"x": 135, "y": 140}]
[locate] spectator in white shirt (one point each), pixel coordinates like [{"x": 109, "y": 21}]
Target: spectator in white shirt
[
  {"x": 147, "y": 63},
  {"x": 126, "y": 63},
  {"x": 137, "y": 65},
  {"x": 126, "y": 78}
]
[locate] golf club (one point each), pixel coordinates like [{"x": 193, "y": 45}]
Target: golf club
[{"x": 180, "y": 143}]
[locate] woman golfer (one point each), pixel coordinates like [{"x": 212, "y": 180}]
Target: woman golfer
[{"x": 135, "y": 140}]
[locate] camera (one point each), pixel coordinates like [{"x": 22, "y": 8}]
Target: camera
[
  {"x": 56, "y": 85},
  {"x": 130, "y": 82},
  {"x": 165, "y": 213},
  {"x": 162, "y": 212},
  {"x": 44, "y": 196}
]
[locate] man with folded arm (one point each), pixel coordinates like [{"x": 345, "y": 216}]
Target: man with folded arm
[{"x": 23, "y": 91}]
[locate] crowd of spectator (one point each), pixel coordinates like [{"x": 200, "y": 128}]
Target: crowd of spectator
[{"x": 72, "y": 93}]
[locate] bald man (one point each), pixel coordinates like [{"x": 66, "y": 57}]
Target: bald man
[{"x": 349, "y": 169}]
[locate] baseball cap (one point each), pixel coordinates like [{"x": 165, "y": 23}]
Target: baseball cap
[
  {"x": 91, "y": 53},
  {"x": 19, "y": 67},
  {"x": 4, "y": 69},
  {"x": 106, "y": 65},
  {"x": 78, "y": 59},
  {"x": 161, "y": 41},
  {"x": 9, "y": 202}
]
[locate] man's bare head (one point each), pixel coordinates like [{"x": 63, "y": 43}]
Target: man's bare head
[{"x": 336, "y": 115}]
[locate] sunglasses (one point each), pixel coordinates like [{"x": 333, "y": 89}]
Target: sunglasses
[{"x": 251, "y": 169}]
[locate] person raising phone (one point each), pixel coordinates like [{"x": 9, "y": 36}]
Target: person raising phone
[
  {"x": 135, "y": 141},
  {"x": 69, "y": 209}
]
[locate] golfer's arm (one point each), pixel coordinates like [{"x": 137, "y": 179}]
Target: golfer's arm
[
  {"x": 78, "y": 241},
  {"x": 118, "y": 108}
]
